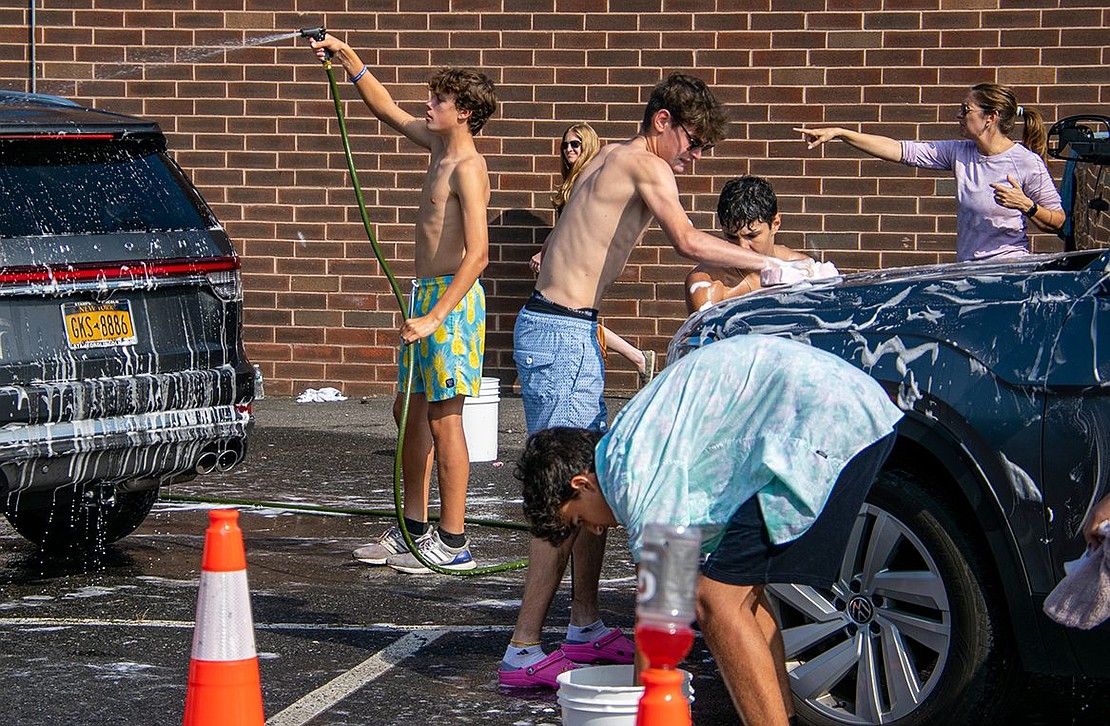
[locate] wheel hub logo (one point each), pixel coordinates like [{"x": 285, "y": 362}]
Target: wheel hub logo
[{"x": 860, "y": 609}]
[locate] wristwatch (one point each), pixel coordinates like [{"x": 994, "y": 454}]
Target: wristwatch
[{"x": 1032, "y": 211}]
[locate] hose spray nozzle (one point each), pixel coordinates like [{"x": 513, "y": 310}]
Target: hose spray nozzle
[{"x": 316, "y": 34}]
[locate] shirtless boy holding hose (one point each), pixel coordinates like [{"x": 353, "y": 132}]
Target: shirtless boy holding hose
[{"x": 446, "y": 325}]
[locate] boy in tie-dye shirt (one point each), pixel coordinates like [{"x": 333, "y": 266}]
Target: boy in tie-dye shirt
[{"x": 768, "y": 445}]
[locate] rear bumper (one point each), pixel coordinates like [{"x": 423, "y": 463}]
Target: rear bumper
[
  {"x": 159, "y": 447},
  {"x": 145, "y": 429},
  {"x": 124, "y": 395}
]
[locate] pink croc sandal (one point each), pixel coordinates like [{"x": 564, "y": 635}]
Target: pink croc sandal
[
  {"x": 613, "y": 648},
  {"x": 538, "y": 675}
]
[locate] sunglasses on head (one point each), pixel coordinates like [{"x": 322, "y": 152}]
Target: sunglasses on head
[{"x": 571, "y": 145}]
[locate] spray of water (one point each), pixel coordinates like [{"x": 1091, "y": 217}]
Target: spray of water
[{"x": 195, "y": 53}]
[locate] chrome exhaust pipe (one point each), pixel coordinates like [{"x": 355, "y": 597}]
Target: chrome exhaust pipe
[
  {"x": 206, "y": 464},
  {"x": 226, "y": 460},
  {"x": 230, "y": 456}
]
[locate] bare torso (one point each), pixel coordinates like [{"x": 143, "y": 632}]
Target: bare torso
[
  {"x": 726, "y": 282},
  {"x": 440, "y": 235},
  {"x": 603, "y": 220}
]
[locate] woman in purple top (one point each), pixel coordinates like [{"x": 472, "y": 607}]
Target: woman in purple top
[{"x": 999, "y": 184}]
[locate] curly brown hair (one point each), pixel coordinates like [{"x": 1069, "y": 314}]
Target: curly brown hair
[
  {"x": 551, "y": 458},
  {"x": 691, "y": 102},
  {"x": 473, "y": 91}
]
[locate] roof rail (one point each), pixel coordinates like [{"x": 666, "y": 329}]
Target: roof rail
[{"x": 21, "y": 97}]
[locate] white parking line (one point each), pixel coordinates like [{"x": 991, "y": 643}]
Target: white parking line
[{"x": 317, "y": 702}]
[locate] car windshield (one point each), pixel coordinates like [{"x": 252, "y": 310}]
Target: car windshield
[{"x": 57, "y": 186}]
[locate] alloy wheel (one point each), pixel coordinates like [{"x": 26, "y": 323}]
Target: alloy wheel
[{"x": 872, "y": 648}]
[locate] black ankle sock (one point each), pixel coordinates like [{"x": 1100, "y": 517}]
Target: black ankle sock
[
  {"x": 450, "y": 539},
  {"x": 793, "y": 720},
  {"x": 415, "y": 528}
]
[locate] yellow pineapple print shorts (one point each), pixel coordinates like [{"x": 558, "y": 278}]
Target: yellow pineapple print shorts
[{"x": 449, "y": 361}]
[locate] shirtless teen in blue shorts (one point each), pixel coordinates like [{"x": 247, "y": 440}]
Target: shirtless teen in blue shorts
[{"x": 627, "y": 186}]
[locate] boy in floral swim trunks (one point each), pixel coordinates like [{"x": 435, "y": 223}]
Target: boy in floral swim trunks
[{"x": 445, "y": 333}]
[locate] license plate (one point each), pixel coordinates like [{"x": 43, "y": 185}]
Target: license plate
[{"x": 98, "y": 325}]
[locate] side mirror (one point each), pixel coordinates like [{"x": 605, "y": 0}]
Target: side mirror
[{"x": 1084, "y": 138}]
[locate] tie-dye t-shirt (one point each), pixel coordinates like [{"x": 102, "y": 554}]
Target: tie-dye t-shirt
[{"x": 750, "y": 415}]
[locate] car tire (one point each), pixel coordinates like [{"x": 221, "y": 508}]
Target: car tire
[
  {"x": 909, "y": 634},
  {"x": 76, "y": 522}
]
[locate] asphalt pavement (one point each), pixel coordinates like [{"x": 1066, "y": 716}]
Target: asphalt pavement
[{"x": 106, "y": 639}]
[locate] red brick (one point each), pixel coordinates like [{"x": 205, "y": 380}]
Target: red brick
[
  {"x": 950, "y": 19},
  {"x": 778, "y": 21},
  {"x": 255, "y": 129}
]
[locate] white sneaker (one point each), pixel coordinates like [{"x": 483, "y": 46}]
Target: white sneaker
[
  {"x": 434, "y": 551},
  {"x": 392, "y": 542}
]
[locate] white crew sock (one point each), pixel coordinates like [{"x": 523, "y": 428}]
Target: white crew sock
[
  {"x": 522, "y": 657},
  {"x": 586, "y": 633}
]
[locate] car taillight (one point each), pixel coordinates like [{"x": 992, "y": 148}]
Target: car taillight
[
  {"x": 227, "y": 284},
  {"x": 221, "y": 272},
  {"x": 64, "y": 136}
]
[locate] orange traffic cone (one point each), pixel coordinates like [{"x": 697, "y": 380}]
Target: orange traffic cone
[{"x": 224, "y": 685}]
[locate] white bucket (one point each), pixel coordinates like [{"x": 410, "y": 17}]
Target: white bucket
[
  {"x": 480, "y": 420},
  {"x": 604, "y": 696}
]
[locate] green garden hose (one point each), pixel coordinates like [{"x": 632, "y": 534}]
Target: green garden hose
[{"x": 407, "y": 350}]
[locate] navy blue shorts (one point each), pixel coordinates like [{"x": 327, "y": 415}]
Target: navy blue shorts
[{"x": 746, "y": 555}]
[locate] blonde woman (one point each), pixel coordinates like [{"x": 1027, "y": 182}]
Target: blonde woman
[
  {"x": 579, "y": 146},
  {"x": 1000, "y": 185}
]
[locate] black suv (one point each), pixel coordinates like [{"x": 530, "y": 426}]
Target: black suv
[
  {"x": 122, "y": 366},
  {"x": 1003, "y": 372}
]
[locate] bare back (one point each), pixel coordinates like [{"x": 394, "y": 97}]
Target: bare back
[{"x": 603, "y": 220}]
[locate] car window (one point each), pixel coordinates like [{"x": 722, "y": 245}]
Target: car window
[{"x": 57, "y": 186}]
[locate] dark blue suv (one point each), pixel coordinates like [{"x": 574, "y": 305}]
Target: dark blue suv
[
  {"x": 121, "y": 360},
  {"x": 1003, "y": 371}
]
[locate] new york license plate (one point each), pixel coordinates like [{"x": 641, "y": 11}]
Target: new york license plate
[{"x": 98, "y": 325}]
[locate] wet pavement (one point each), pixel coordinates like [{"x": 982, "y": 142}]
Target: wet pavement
[{"x": 107, "y": 641}]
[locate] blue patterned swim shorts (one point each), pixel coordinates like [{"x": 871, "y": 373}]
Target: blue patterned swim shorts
[
  {"x": 449, "y": 361},
  {"x": 562, "y": 376}
]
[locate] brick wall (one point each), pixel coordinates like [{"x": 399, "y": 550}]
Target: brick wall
[{"x": 252, "y": 122}]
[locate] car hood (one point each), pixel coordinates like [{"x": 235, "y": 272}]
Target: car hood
[{"x": 1005, "y": 314}]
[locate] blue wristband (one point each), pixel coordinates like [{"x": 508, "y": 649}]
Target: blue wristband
[{"x": 358, "y": 76}]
